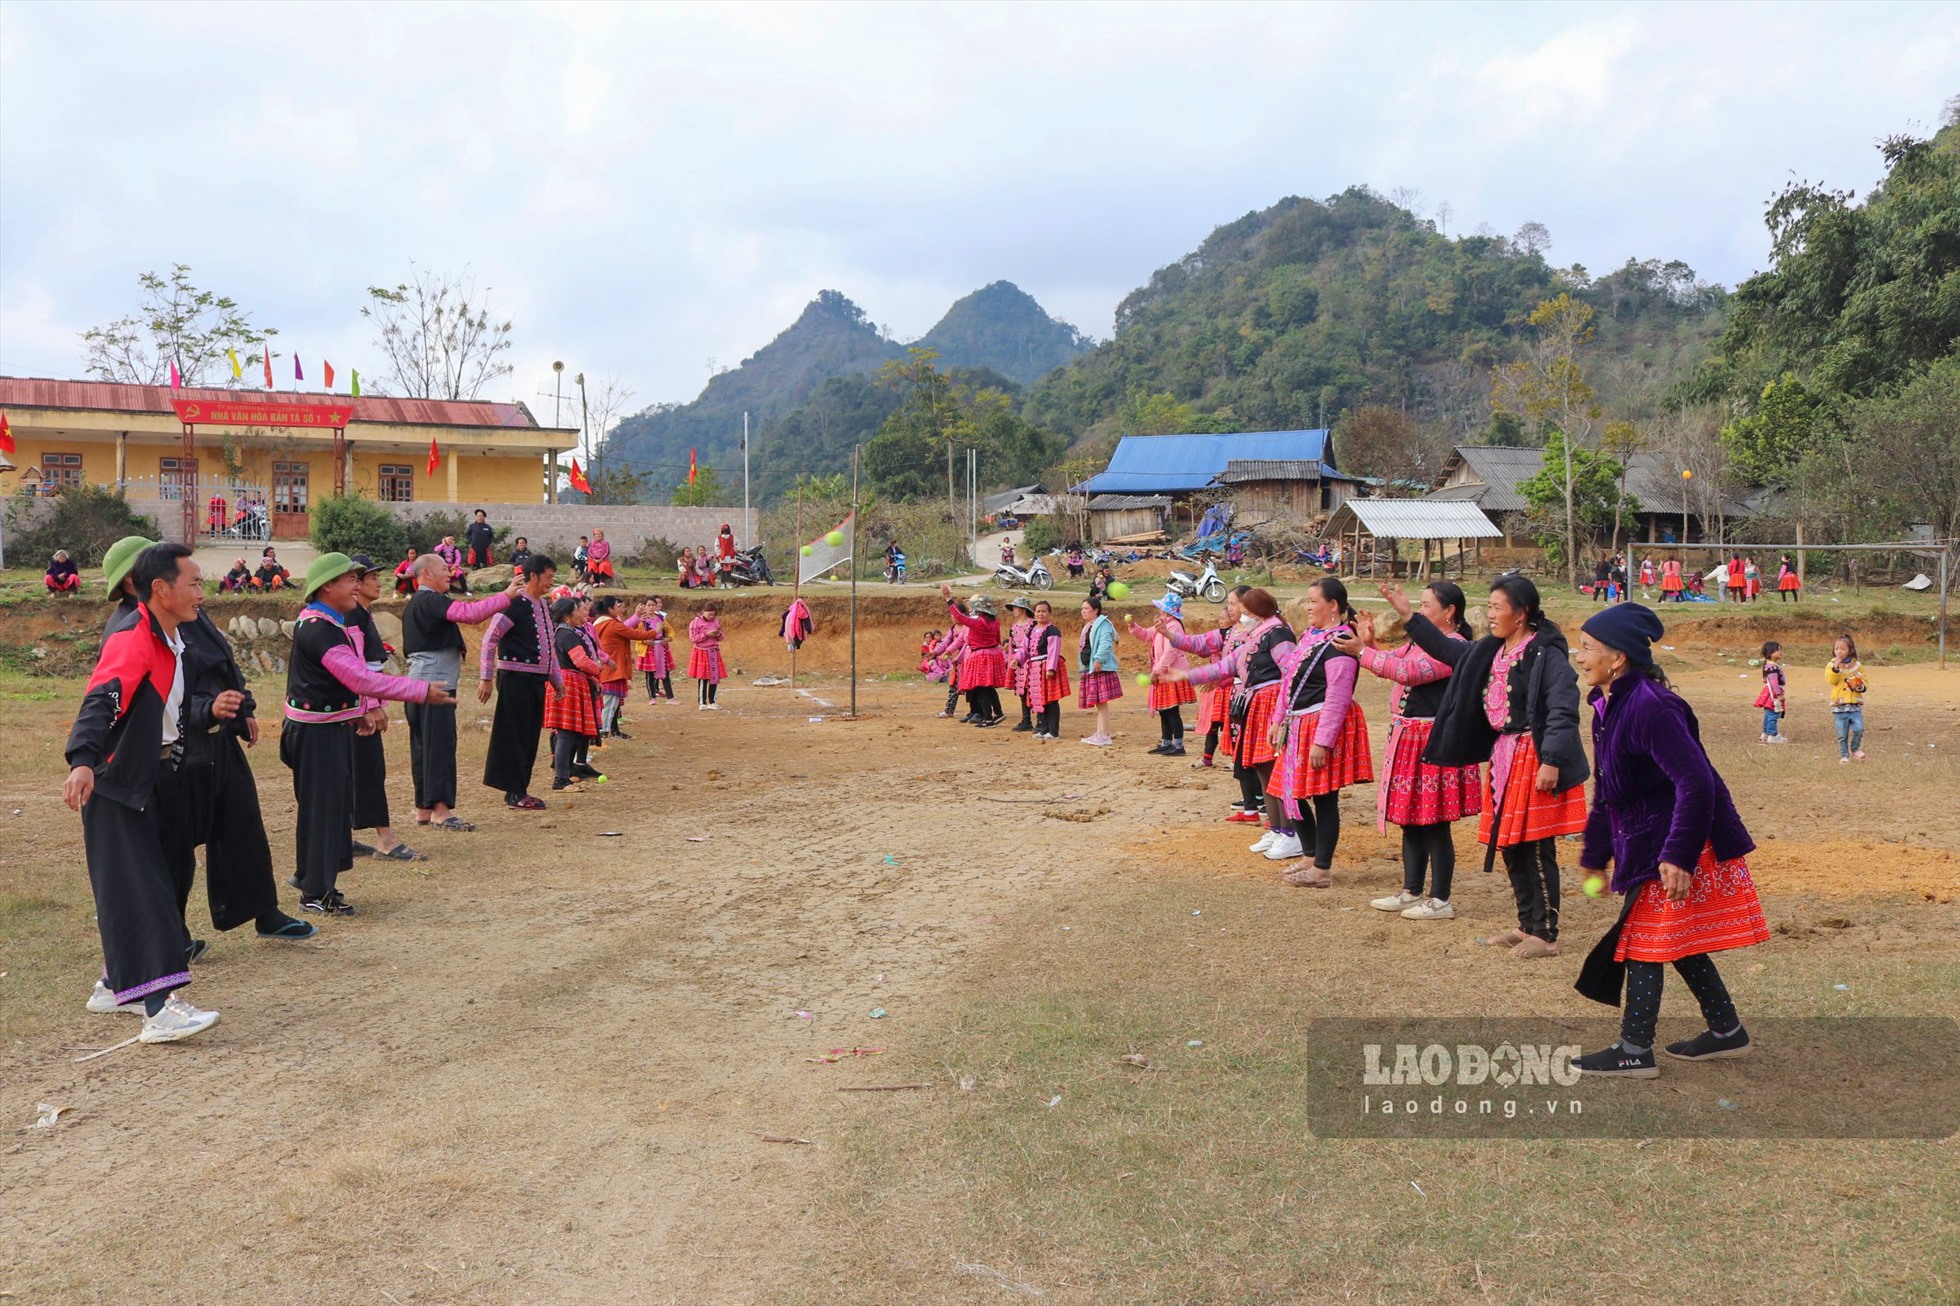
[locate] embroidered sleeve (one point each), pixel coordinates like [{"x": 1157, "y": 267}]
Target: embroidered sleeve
[
  {"x": 487, "y": 660},
  {"x": 343, "y": 662}
]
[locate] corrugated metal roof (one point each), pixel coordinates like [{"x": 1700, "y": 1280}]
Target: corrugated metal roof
[
  {"x": 1269, "y": 469},
  {"x": 1653, "y": 481},
  {"x": 1472, "y": 493},
  {"x": 1414, "y": 519},
  {"x": 1170, "y": 464},
  {"x": 993, "y": 503},
  {"x": 1120, "y": 502},
  {"x": 117, "y": 397}
]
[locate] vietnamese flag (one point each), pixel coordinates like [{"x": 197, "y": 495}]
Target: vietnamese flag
[
  {"x": 579, "y": 482},
  {"x": 328, "y": 369},
  {"x": 6, "y": 437},
  {"x": 692, "y": 471},
  {"x": 434, "y": 456}
]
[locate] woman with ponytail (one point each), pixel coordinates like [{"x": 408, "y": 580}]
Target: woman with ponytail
[
  {"x": 1320, "y": 736},
  {"x": 1422, "y": 798},
  {"x": 1513, "y": 700}
]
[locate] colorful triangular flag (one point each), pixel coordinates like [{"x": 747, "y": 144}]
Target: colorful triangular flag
[
  {"x": 236, "y": 371},
  {"x": 6, "y": 437},
  {"x": 297, "y": 374},
  {"x": 176, "y": 377},
  {"x": 266, "y": 356},
  {"x": 435, "y": 457},
  {"x": 579, "y": 482},
  {"x": 355, "y": 377},
  {"x": 328, "y": 369}
]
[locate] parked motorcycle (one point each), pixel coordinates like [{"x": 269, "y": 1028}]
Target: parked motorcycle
[
  {"x": 1205, "y": 584},
  {"x": 1033, "y": 576},
  {"x": 750, "y": 567}
]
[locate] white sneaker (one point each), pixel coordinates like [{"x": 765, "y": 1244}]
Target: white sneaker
[
  {"x": 103, "y": 1002},
  {"x": 714, "y": 707},
  {"x": 1284, "y": 849},
  {"x": 1430, "y": 909},
  {"x": 1399, "y": 902},
  {"x": 1265, "y": 841},
  {"x": 178, "y": 1019},
  {"x": 1099, "y": 741}
]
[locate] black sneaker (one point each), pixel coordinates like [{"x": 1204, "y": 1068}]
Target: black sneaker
[
  {"x": 584, "y": 772},
  {"x": 293, "y": 880},
  {"x": 1024, "y": 728},
  {"x": 1616, "y": 1060},
  {"x": 331, "y": 904},
  {"x": 989, "y": 723},
  {"x": 1175, "y": 748},
  {"x": 1710, "y": 1046},
  {"x": 620, "y": 734},
  {"x": 198, "y": 948},
  {"x": 969, "y": 718}
]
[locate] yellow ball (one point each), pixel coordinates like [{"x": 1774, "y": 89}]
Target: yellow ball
[
  {"x": 1143, "y": 680},
  {"x": 1118, "y": 590},
  {"x": 1595, "y": 885},
  {"x": 806, "y": 550},
  {"x": 835, "y": 539}
]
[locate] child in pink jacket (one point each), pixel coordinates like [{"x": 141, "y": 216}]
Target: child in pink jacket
[{"x": 1167, "y": 697}]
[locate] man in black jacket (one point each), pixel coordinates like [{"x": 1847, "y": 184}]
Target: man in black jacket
[
  {"x": 478, "y": 536},
  {"x": 130, "y": 728}
]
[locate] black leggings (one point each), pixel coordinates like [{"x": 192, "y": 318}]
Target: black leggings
[
  {"x": 564, "y": 752},
  {"x": 1430, "y": 847},
  {"x": 1027, "y": 712},
  {"x": 1252, "y": 784},
  {"x": 1644, "y": 998},
  {"x": 1211, "y": 739},
  {"x": 657, "y": 684},
  {"x": 1171, "y": 721},
  {"x": 986, "y": 702},
  {"x": 1319, "y": 823},
  {"x": 1533, "y": 868},
  {"x": 952, "y": 696},
  {"x": 707, "y": 690},
  {"x": 1051, "y": 720}
]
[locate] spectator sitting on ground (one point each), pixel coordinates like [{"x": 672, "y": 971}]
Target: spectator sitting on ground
[
  {"x": 270, "y": 575},
  {"x": 405, "y": 573},
  {"x": 450, "y": 554},
  {"x": 598, "y": 560},
  {"x": 239, "y": 578},
  {"x": 63, "y": 577},
  {"x": 579, "y": 556}
]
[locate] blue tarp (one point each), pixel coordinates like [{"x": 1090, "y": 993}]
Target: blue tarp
[{"x": 1172, "y": 464}]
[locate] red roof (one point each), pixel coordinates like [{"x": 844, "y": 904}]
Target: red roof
[{"x": 117, "y": 397}]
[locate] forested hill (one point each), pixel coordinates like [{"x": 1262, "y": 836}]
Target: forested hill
[
  {"x": 997, "y": 329},
  {"x": 1291, "y": 315},
  {"x": 1002, "y": 328}
]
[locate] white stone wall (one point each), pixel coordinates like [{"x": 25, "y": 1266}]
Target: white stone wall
[{"x": 555, "y": 527}]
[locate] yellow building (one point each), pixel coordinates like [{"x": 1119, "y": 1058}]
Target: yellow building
[{"x": 239, "y": 455}]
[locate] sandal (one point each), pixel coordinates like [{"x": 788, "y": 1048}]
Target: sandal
[
  {"x": 401, "y": 852},
  {"x": 292, "y": 929},
  {"x": 528, "y": 803},
  {"x": 455, "y": 824},
  {"x": 1310, "y": 877}
]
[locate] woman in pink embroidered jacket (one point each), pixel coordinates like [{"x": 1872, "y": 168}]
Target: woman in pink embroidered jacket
[
  {"x": 948, "y": 654},
  {"x": 1245, "y": 667},
  {"x": 704, "y": 662},
  {"x": 1319, "y": 734},
  {"x": 1421, "y": 797},
  {"x": 1020, "y": 646},
  {"x": 1167, "y": 696}
]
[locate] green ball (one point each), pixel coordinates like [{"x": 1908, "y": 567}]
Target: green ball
[
  {"x": 1143, "y": 680},
  {"x": 1595, "y": 885},
  {"x": 806, "y": 550},
  {"x": 835, "y": 539},
  {"x": 1118, "y": 590}
]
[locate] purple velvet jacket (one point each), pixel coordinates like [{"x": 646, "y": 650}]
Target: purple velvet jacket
[{"x": 1656, "y": 797}]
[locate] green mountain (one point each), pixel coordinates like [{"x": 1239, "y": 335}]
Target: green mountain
[
  {"x": 1002, "y": 328},
  {"x": 809, "y": 395},
  {"x": 1292, "y": 315}
]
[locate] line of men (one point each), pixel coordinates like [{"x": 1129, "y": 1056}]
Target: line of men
[{"x": 157, "y": 762}]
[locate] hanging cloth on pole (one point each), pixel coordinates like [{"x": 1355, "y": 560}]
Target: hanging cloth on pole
[{"x": 820, "y": 555}]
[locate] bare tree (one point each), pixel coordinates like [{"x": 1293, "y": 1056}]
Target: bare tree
[
  {"x": 176, "y": 321},
  {"x": 1443, "y": 211},
  {"x": 603, "y": 407},
  {"x": 1533, "y": 238},
  {"x": 438, "y": 336},
  {"x": 1548, "y": 389}
]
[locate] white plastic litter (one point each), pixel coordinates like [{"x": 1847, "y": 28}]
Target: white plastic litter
[{"x": 49, "y": 1115}]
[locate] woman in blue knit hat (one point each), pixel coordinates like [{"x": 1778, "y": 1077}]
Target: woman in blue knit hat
[{"x": 1664, "y": 819}]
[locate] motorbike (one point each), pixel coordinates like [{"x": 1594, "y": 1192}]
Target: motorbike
[
  {"x": 1205, "y": 584},
  {"x": 1033, "y": 576},
  {"x": 750, "y": 567}
]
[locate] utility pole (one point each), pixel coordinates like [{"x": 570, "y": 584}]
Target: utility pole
[
  {"x": 584, "y": 421},
  {"x": 746, "y": 530}
]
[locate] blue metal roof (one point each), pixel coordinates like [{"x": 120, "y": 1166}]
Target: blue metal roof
[{"x": 1169, "y": 464}]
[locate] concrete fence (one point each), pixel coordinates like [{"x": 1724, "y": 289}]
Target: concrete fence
[{"x": 555, "y": 527}]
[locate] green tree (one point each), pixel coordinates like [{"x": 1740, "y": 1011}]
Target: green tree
[
  {"x": 1164, "y": 414},
  {"x": 1906, "y": 446},
  {"x": 1770, "y": 444},
  {"x": 706, "y": 492},
  {"x": 175, "y": 320},
  {"x": 438, "y": 337},
  {"x": 1548, "y": 390},
  {"x": 1591, "y": 494}
]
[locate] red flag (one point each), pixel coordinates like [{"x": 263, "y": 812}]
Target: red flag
[
  {"x": 328, "y": 369},
  {"x": 579, "y": 482},
  {"x": 6, "y": 437},
  {"x": 267, "y": 355},
  {"x": 297, "y": 374},
  {"x": 176, "y": 377},
  {"x": 434, "y": 457},
  {"x": 692, "y": 470}
]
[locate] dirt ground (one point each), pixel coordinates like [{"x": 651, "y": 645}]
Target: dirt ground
[{"x": 541, "y": 1066}]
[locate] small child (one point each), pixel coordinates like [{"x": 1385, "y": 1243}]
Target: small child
[
  {"x": 927, "y": 667},
  {"x": 1846, "y": 677},
  {"x": 656, "y": 658},
  {"x": 704, "y": 663},
  {"x": 1771, "y": 699}
]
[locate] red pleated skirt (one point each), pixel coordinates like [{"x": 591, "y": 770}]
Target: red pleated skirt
[
  {"x": 1351, "y": 764},
  {"x": 1099, "y": 687},
  {"x": 1720, "y": 912},
  {"x": 1527, "y": 815},
  {"x": 571, "y": 708},
  {"x": 1054, "y": 685},
  {"x": 983, "y": 668},
  {"x": 1414, "y": 792},
  {"x": 706, "y": 664},
  {"x": 1171, "y": 693},
  {"x": 1252, "y": 742},
  {"x": 1213, "y": 706}
]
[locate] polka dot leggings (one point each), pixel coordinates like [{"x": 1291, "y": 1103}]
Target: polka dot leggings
[{"x": 1644, "y": 998}]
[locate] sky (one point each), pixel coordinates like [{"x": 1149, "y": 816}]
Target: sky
[{"x": 653, "y": 192}]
